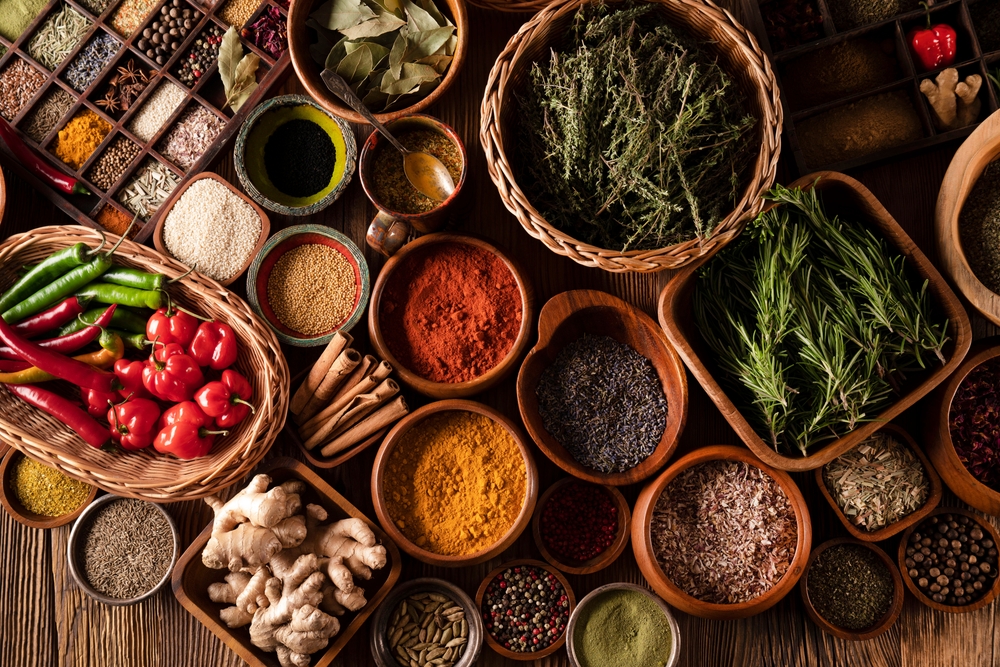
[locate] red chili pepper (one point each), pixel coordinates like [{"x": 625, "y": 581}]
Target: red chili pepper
[
  {"x": 8, "y": 366},
  {"x": 226, "y": 399},
  {"x": 63, "y": 367},
  {"x": 134, "y": 423},
  {"x": 129, "y": 375},
  {"x": 171, "y": 374},
  {"x": 69, "y": 343},
  {"x": 63, "y": 410},
  {"x": 62, "y": 313},
  {"x": 39, "y": 167},
  {"x": 214, "y": 345},
  {"x": 171, "y": 324},
  {"x": 97, "y": 402},
  {"x": 185, "y": 432},
  {"x": 933, "y": 46}
]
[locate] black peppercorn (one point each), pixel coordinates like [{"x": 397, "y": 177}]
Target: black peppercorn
[{"x": 960, "y": 570}]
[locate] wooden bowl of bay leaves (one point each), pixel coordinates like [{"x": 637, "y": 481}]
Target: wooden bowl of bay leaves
[{"x": 427, "y": 64}]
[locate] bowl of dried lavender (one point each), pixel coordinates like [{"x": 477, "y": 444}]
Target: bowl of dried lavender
[{"x": 692, "y": 525}]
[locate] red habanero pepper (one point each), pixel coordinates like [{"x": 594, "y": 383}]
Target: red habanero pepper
[
  {"x": 214, "y": 345},
  {"x": 37, "y": 166},
  {"x": 226, "y": 399},
  {"x": 65, "y": 411},
  {"x": 185, "y": 432},
  {"x": 134, "y": 423},
  {"x": 933, "y": 46},
  {"x": 171, "y": 374},
  {"x": 69, "y": 343},
  {"x": 97, "y": 402},
  {"x": 171, "y": 324},
  {"x": 62, "y": 313},
  {"x": 129, "y": 375}
]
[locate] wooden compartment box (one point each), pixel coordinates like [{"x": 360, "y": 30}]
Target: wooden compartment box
[
  {"x": 804, "y": 113},
  {"x": 207, "y": 92}
]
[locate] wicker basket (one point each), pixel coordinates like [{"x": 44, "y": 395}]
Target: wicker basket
[
  {"x": 738, "y": 53},
  {"x": 147, "y": 474}
]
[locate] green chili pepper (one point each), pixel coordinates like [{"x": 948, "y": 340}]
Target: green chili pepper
[
  {"x": 54, "y": 266},
  {"x": 137, "y": 341},
  {"x": 126, "y": 296},
  {"x": 122, "y": 319},
  {"x": 121, "y": 275}
]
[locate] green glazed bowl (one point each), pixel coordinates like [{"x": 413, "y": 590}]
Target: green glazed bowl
[
  {"x": 293, "y": 237},
  {"x": 249, "y": 154}
]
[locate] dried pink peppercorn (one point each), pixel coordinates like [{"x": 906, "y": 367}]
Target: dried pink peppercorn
[{"x": 975, "y": 423}]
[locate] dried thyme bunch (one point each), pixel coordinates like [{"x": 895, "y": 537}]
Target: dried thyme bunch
[
  {"x": 633, "y": 136},
  {"x": 815, "y": 321}
]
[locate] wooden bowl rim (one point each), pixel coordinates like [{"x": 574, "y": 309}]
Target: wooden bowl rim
[
  {"x": 926, "y": 601},
  {"x": 449, "y": 390},
  {"x": 676, "y": 414},
  {"x": 643, "y": 548},
  {"x": 934, "y": 493},
  {"x": 518, "y": 562},
  {"x": 888, "y": 619},
  {"x": 530, "y": 489},
  {"x": 306, "y": 69},
  {"x": 19, "y": 512},
  {"x": 601, "y": 560},
  {"x": 265, "y": 222}
]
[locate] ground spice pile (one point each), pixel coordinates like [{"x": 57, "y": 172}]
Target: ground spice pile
[
  {"x": 312, "y": 289},
  {"x": 849, "y": 14},
  {"x": 19, "y": 82},
  {"x": 16, "y": 15},
  {"x": 850, "y": 586},
  {"x": 393, "y": 189},
  {"x": 44, "y": 490},
  {"x": 81, "y": 136},
  {"x": 525, "y": 608},
  {"x": 115, "y": 221},
  {"x": 724, "y": 532},
  {"x": 450, "y": 312},
  {"x": 299, "y": 157},
  {"x": 837, "y": 71},
  {"x": 47, "y": 113},
  {"x": 979, "y": 227},
  {"x": 622, "y": 628},
  {"x": 974, "y": 423},
  {"x": 455, "y": 483}
]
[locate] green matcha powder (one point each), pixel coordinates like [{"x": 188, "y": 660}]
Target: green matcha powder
[{"x": 622, "y": 628}]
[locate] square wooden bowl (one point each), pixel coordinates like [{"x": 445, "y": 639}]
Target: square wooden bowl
[
  {"x": 191, "y": 578},
  {"x": 847, "y": 197}
]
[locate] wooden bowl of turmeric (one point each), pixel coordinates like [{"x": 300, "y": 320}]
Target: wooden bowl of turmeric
[
  {"x": 428, "y": 478},
  {"x": 39, "y": 496}
]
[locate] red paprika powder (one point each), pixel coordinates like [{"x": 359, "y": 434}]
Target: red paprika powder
[{"x": 450, "y": 312}]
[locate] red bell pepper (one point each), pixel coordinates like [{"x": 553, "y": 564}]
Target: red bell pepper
[
  {"x": 185, "y": 432},
  {"x": 226, "y": 399},
  {"x": 130, "y": 377},
  {"x": 69, "y": 343},
  {"x": 214, "y": 345},
  {"x": 62, "y": 313},
  {"x": 64, "y": 410},
  {"x": 171, "y": 324},
  {"x": 933, "y": 46},
  {"x": 134, "y": 423},
  {"x": 97, "y": 402},
  {"x": 171, "y": 374}
]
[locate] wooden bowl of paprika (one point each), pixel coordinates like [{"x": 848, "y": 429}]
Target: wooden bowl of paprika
[
  {"x": 452, "y": 313},
  {"x": 433, "y": 454},
  {"x": 11, "y": 503}
]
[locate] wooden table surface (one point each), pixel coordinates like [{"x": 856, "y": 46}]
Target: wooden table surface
[{"x": 47, "y": 621}]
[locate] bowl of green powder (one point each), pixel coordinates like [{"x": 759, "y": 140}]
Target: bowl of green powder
[{"x": 622, "y": 625}]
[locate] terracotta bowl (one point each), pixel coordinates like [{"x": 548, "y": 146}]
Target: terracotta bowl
[
  {"x": 642, "y": 543},
  {"x": 941, "y": 449},
  {"x": 933, "y": 494},
  {"x": 451, "y": 389},
  {"x": 308, "y": 70},
  {"x": 566, "y": 317},
  {"x": 14, "y": 507},
  {"x": 917, "y": 593},
  {"x": 552, "y": 648},
  {"x": 379, "y": 491},
  {"x": 887, "y": 620},
  {"x": 602, "y": 560},
  {"x": 265, "y": 222}
]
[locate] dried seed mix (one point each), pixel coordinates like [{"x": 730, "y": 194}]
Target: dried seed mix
[
  {"x": 155, "y": 111},
  {"x": 952, "y": 559},
  {"x": 878, "y": 482},
  {"x": 979, "y": 227},
  {"x": 201, "y": 55},
  {"x": 603, "y": 402},
  {"x": 299, "y": 157},
  {"x": 58, "y": 36},
  {"x": 393, "y": 189},
  {"x": 113, "y": 162},
  {"x": 44, "y": 117},
  {"x": 724, "y": 532},
  {"x": 166, "y": 33},
  {"x": 19, "y": 82},
  {"x": 238, "y": 12},
  {"x": 81, "y": 136},
  {"x": 312, "y": 289},
  {"x": 90, "y": 61},
  {"x": 130, "y": 15},
  {"x": 974, "y": 423},
  {"x": 115, "y": 221},
  {"x": 622, "y": 628},
  {"x": 579, "y": 521},
  {"x": 191, "y": 136},
  {"x": 850, "y": 586},
  {"x": 44, "y": 490},
  {"x": 429, "y": 629},
  {"x": 212, "y": 229},
  {"x": 126, "y": 549},
  {"x": 148, "y": 189},
  {"x": 525, "y": 608}
]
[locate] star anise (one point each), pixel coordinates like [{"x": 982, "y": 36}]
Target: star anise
[
  {"x": 111, "y": 101},
  {"x": 129, "y": 72}
]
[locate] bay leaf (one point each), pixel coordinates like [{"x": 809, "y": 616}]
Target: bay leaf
[
  {"x": 452, "y": 45},
  {"x": 379, "y": 25},
  {"x": 440, "y": 63},
  {"x": 432, "y": 9},
  {"x": 342, "y": 14},
  {"x": 396, "y": 53},
  {"x": 419, "y": 71},
  {"x": 244, "y": 79},
  {"x": 419, "y": 18},
  {"x": 402, "y": 86},
  {"x": 243, "y": 96},
  {"x": 379, "y": 54},
  {"x": 356, "y": 65},
  {"x": 426, "y": 43},
  {"x": 230, "y": 52}
]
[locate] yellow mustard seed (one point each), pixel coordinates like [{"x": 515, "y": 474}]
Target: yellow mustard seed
[
  {"x": 312, "y": 289},
  {"x": 44, "y": 490}
]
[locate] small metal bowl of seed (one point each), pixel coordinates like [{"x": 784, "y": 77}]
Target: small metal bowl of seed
[
  {"x": 122, "y": 551},
  {"x": 427, "y": 622}
]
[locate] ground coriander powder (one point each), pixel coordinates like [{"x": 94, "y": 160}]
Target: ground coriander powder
[{"x": 46, "y": 491}]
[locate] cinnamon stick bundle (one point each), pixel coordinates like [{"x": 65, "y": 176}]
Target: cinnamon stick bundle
[
  {"x": 386, "y": 415},
  {"x": 319, "y": 371},
  {"x": 340, "y": 372},
  {"x": 357, "y": 409},
  {"x": 344, "y": 396}
]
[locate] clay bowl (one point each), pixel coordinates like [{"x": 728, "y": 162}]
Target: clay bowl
[
  {"x": 556, "y": 645},
  {"x": 378, "y": 485},
  {"x": 642, "y": 543},
  {"x": 917, "y": 593},
  {"x": 3, "y": 195},
  {"x": 941, "y": 449},
  {"x": 8, "y": 498},
  {"x": 443, "y": 390},
  {"x": 883, "y": 624},
  {"x": 602, "y": 560},
  {"x": 308, "y": 70},
  {"x": 846, "y": 197},
  {"x": 566, "y": 317},
  {"x": 675, "y": 644},
  {"x": 191, "y": 578},
  {"x": 933, "y": 495}
]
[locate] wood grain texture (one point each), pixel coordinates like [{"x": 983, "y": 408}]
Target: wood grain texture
[{"x": 48, "y": 622}]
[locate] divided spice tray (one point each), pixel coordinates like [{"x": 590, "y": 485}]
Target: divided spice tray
[
  {"x": 971, "y": 58},
  {"x": 207, "y": 92}
]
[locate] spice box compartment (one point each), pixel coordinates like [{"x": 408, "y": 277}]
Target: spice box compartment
[{"x": 206, "y": 91}]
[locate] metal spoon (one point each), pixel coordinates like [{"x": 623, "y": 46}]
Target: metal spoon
[{"x": 425, "y": 172}]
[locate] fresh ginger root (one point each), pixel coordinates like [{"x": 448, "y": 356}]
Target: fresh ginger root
[{"x": 955, "y": 103}]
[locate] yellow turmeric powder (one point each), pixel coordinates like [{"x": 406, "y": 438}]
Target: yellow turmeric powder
[
  {"x": 80, "y": 138},
  {"x": 455, "y": 483}
]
